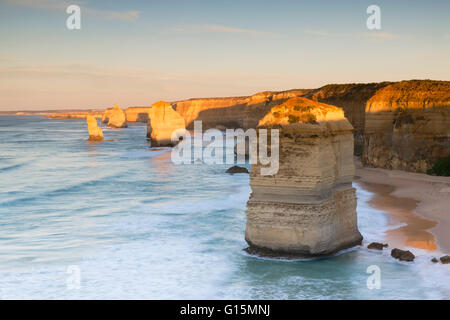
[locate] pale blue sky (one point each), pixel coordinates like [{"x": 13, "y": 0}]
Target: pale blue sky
[{"x": 138, "y": 52}]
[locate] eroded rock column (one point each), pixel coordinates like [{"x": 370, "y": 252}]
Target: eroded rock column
[
  {"x": 163, "y": 121},
  {"x": 95, "y": 132},
  {"x": 309, "y": 206}
]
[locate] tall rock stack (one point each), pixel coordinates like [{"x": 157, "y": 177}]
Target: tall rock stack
[
  {"x": 115, "y": 117},
  {"x": 95, "y": 132},
  {"x": 163, "y": 121},
  {"x": 308, "y": 207}
]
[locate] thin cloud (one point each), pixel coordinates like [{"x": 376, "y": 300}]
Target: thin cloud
[
  {"x": 218, "y": 29},
  {"x": 127, "y": 16},
  {"x": 382, "y": 36},
  {"x": 322, "y": 33}
]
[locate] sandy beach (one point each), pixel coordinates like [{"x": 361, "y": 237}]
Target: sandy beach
[{"x": 418, "y": 204}]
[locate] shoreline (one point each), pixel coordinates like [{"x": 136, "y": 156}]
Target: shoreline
[{"x": 417, "y": 205}]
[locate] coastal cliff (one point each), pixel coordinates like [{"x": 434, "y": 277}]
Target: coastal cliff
[
  {"x": 408, "y": 125},
  {"x": 398, "y": 125},
  {"x": 137, "y": 114},
  {"x": 233, "y": 112},
  {"x": 163, "y": 122},
  {"x": 308, "y": 207}
]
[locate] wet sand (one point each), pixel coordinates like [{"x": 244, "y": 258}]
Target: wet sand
[{"x": 417, "y": 203}]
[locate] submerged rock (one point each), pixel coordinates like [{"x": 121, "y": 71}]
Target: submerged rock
[
  {"x": 402, "y": 255},
  {"x": 95, "y": 132},
  {"x": 236, "y": 169},
  {"x": 163, "y": 122},
  {"x": 307, "y": 207},
  {"x": 445, "y": 259},
  {"x": 434, "y": 260},
  {"x": 377, "y": 246}
]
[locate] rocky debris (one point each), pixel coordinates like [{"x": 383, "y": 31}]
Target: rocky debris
[
  {"x": 445, "y": 259},
  {"x": 402, "y": 255},
  {"x": 236, "y": 169},
  {"x": 434, "y": 260},
  {"x": 163, "y": 122},
  {"x": 308, "y": 207},
  {"x": 95, "y": 132},
  {"x": 116, "y": 117},
  {"x": 377, "y": 246}
]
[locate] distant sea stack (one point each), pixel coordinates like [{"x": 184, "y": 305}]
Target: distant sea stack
[
  {"x": 115, "y": 117},
  {"x": 163, "y": 121},
  {"x": 95, "y": 132},
  {"x": 308, "y": 208}
]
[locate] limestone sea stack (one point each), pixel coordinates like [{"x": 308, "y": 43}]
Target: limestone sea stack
[
  {"x": 308, "y": 208},
  {"x": 95, "y": 132},
  {"x": 163, "y": 121},
  {"x": 115, "y": 117}
]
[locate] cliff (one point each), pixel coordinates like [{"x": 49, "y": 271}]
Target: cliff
[
  {"x": 398, "y": 125},
  {"x": 115, "y": 117},
  {"x": 164, "y": 120},
  {"x": 137, "y": 114},
  {"x": 232, "y": 112},
  {"x": 95, "y": 132},
  {"x": 408, "y": 125},
  {"x": 352, "y": 98},
  {"x": 309, "y": 206}
]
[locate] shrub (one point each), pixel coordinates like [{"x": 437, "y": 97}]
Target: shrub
[
  {"x": 441, "y": 167},
  {"x": 293, "y": 119}
]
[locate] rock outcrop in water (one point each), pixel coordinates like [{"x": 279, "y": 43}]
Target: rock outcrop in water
[
  {"x": 308, "y": 208},
  {"x": 95, "y": 132},
  {"x": 115, "y": 117},
  {"x": 163, "y": 121}
]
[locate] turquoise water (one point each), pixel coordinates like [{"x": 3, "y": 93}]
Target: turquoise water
[{"x": 136, "y": 226}]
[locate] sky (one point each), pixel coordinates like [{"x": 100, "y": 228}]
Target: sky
[{"x": 137, "y": 52}]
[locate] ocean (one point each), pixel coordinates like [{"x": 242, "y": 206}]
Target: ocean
[{"x": 119, "y": 220}]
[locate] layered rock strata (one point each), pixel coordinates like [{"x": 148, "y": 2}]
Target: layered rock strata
[
  {"x": 95, "y": 132},
  {"x": 308, "y": 207},
  {"x": 137, "y": 114},
  {"x": 408, "y": 125},
  {"x": 233, "y": 112},
  {"x": 163, "y": 121}
]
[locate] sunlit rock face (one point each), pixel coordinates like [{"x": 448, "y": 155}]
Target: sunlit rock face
[
  {"x": 95, "y": 132},
  {"x": 232, "y": 112},
  {"x": 398, "y": 125},
  {"x": 163, "y": 121},
  {"x": 115, "y": 117},
  {"x": 408, "y": 125},
  {"x": 308, "y": 207},
  {"x": 137, "y": 114}
]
